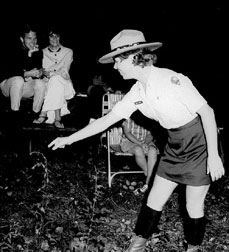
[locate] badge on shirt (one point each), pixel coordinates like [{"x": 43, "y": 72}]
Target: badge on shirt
[
  {"x": 175, "y": 80},
  {"x": 138, "y": 102}
]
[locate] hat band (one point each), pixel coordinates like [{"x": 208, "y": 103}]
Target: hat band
[{"x": 126, "y": 46}]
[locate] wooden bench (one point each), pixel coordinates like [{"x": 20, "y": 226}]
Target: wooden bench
[
  {"x": 77, "y": 119},
  {"x": 34, "y": 131}
]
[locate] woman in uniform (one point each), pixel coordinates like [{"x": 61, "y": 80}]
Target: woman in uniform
[{"x": 191, "y": 154}]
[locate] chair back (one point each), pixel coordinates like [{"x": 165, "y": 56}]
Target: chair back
[
  {"x": 115, "y": 133},
  {"x": 109, "y": 100}
]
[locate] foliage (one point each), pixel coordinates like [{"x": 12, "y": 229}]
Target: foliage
[{"x": 62, "y": 203}]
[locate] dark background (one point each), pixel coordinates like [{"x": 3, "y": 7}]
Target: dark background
[{"x": 194, "y": 38}]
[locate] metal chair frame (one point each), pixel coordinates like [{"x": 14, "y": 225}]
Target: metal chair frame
[{"x": 113, "y": 137}]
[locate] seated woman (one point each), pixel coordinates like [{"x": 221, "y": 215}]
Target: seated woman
[
  {"x": 140, "y": 142},
  {"x": 57, "y": 60}
]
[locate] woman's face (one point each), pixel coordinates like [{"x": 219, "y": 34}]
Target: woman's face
[
  {"x": 125, "y": 67},
  {"x": 54, "y": 40}
]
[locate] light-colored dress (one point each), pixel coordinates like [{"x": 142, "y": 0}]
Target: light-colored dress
[{"x": 59, "y": 85}]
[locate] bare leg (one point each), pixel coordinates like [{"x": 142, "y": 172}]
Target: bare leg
[
  {"x": 195, "y": 196},
  {"x": 151, "y": 161},
  {"x": 139, "y": 157},
  {"x": 57, "y": 115},
  {"x": 160, "y": 193},
  {"x": 57, "y": 121}
]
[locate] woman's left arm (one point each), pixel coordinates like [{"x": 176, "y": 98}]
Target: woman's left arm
[{"x": 214, "y": 162}]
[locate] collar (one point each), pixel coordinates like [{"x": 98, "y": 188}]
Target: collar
[{"x": 53, "y": 50}]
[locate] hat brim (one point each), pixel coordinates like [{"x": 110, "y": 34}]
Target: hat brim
[{"x": 108, "y": 58}]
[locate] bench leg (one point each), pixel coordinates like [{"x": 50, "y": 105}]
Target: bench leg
[{"x": 30, "y": 145}]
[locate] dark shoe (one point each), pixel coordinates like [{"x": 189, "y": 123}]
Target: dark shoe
[
  {"x": 40, "y": 120},
  {"x": 137, "y": 244},
  {"x": 58, "y": 124}
]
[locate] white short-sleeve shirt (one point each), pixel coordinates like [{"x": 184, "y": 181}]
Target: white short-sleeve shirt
[{"x": 169, "y": 98}]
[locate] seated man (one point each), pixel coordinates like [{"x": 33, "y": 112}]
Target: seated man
[
  {"x": 25, "y": 72},
  {"x": 57, "y": 60},
  {"x": 140, "y": 143}
]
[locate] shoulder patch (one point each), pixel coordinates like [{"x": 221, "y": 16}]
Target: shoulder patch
[{"x": 175, "y": 80}]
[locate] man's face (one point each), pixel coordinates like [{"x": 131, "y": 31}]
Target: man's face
[
  {"x": 30, "y": 40},
  {"x": 54, "y": 39}
]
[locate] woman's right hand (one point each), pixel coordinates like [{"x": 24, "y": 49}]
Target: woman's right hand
[
  {"x": 59, "y": 142},
  {"x": 145, "y": 148}
]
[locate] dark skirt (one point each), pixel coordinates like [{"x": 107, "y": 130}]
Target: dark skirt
[{"x": 185, "y": 155}]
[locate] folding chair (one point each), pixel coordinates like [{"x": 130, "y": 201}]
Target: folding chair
[{"x": 113, "y": 137}]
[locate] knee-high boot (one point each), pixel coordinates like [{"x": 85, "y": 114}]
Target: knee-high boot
[
  {"x": 146, "y": 225},
  {"x": 194, "y": 230}
]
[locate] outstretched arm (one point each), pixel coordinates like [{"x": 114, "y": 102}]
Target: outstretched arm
[
  {"x": 214, "y": 164},
  {"x": 91, "y": 129}
]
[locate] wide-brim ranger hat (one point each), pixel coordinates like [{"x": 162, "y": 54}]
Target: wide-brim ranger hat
[{"x": 127, "y": 40}]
